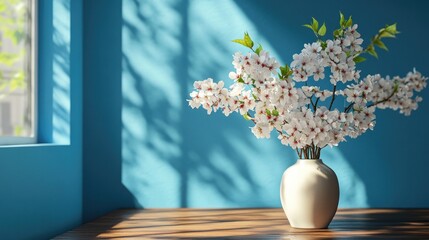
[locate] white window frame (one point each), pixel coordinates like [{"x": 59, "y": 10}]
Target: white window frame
[{"x": 16, "y": 140}]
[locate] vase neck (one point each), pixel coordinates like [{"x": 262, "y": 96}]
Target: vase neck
[{"x": 309, "y": 161}]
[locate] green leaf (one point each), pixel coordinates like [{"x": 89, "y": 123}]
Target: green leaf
[
  {"x": 389, "y": 31},
  {"x": 268, "y": 112},
  {"x": 349, "y": 22},
  {"x": 3, "y": 7},
  {"x": 341, "y": 19},
  {"x": 9, "y": 59},
  {"x": 385, "y": 34},
  {"x": 348, "y": 54},
  {"x": 17, "y": 81},
  {"x": 18, "y": 130},
  {"x": 247, "y": 117},
  {"x": 240, "y": 80},
  {"x": 395, "y": 87},
  {"x": 275, "y": 113},
  {"x": 392, "y": 29},
  {"x": 315, "y": 25},
  {"x": 248, "y": 40},
  {"x": 337, "y": 32},
  {"x": 285, "y": 71},
  {"x": 308, "y": 26},
  {"x": 240, "y": 41},
  {"x": 15, "y": 35},
  {"x": 380, "y": 44},
  {"x": 259, "y": 49},
  {"x": 359, "y": 59},
  {"x": 372, "y": 51},
  {"x": 322, "y": 30}
]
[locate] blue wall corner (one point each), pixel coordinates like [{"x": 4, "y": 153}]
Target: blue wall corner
[{"x": 102, "y": 189}]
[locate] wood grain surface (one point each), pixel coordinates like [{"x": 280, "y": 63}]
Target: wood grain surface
[{"x": 260, "y": 223}]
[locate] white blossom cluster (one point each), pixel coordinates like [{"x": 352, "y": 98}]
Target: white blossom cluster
[
  {"x": 396, "y": 93},
  {"x": 304, "y": 115},
  {"x": 338, "y": 56}
]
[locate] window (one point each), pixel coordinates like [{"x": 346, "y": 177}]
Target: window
[{"x": 17, "y": 71}]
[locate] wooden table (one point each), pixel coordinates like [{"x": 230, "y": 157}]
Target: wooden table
[{"x": 252, "y": 224}]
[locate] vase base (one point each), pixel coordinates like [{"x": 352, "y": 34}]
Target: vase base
[{"x": 309, "y": 227}]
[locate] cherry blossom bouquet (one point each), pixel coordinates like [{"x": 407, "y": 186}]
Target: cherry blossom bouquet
[{"x": 286, "y": 98}]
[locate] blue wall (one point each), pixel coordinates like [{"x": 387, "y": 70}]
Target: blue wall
[
  {"x": 146, "y": 148},
  {"x": 41, "y": 184},
  {"x": 160, "y": 153}
]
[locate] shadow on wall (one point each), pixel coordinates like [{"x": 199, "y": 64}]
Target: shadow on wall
[{"x": 177, "y": 157}]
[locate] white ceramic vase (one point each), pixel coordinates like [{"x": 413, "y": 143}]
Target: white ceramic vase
[{"x": 309, "y": 193}]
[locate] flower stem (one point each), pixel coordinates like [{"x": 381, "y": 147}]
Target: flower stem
[
  {"x": 382, "y": 101},
  {"x": 333, "y": 97},
  {"x": 315, "y": 104},
  {"x": 349, "y": 107}
]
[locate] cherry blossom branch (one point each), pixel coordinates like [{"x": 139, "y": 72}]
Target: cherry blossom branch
[
  {"x": 297, "y": 151},
  {"x": 315, "y": 105},
  {"x": 333, "y": 97},
  {"x": 311, "y": 101},
  {"x": 313, "y": 150},
  {"x": 349, "y": 107},
  {"x": 384, "y": 100},
  {"x": 318, "y": 152},
  {"x": 310, "y": 152}
]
